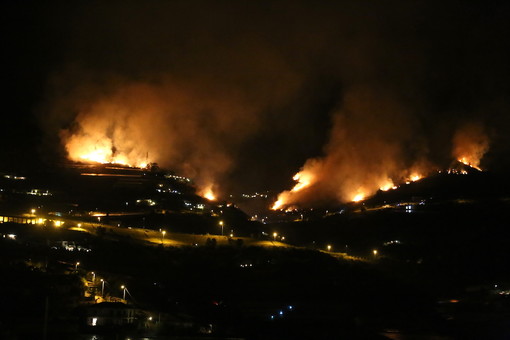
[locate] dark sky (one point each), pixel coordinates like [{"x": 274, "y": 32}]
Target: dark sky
[{"x": 264, "y": 79}]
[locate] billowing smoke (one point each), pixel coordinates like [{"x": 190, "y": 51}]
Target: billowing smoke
[
  {"x": 370, "y": 149},
  {"x": 470, "y": 143},
  {"x": 194, "y": 131},
  {"x": 239, "y": 95}
]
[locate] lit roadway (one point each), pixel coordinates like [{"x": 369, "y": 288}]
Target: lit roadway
[{"x": 167, "y": 238}]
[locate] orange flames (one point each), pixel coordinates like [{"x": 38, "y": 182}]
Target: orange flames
[
  {"x": 470, "y": 143},
  {"x": 358, "y": 194},
  {"x": 208, "y": 194},
  {"x": 100, "y": 151},
  {"x": 465, "y": 161},
  {"x": 278, "y": 204},
  {"x": 303, "y": 178},
  {"x": 368, "y": 150},
  {"x": 358, "y": 197},
  {"x": 415, "y": 177},
  {"x": 387, "y": 185}
]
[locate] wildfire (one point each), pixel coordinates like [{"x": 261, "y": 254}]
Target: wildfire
[
  {"x": 84, "y": 149},
  {"x": 415, "y": 178},
  {"x": 208, "y": 194},
  {"x": 345, "y": 176},
  {"x": 470, "y": 145},
  {"x": 303, "y": 179},
  {"x": 465, "y": 161},
  {"x": 388, "y": 185},
  {"x": 277, "y": 205},
  {"x": 358, "y": 197}
]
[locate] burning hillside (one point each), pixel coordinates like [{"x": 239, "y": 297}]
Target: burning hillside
[
  {"x": 367, "y": 152},
  {"x": 136, "y": 124}
]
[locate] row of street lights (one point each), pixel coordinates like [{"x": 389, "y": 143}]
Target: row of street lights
[
  {"x": 221, "y": 224},
  {"x": 123, "y": 287},
  {"x": 329, "y": 247}
]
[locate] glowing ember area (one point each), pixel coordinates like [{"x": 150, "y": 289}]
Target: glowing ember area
[
  {"x": 358, "y": 198},
  {"x": 210, "y": 196},
  {"x": 208, "y": 193},
  {"x": 83, "y": 148},
  {"x": 351, "y": 192},
  {"x": 465, "y": 161},
  {"x": 277, "y": 205},
  {"x": 304, "y": 179},
  {"x": 415, "y": 177},
  {"x": 387, "y": 186}
]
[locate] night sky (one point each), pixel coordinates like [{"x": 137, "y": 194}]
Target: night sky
[{"x": 243, "y": 93}]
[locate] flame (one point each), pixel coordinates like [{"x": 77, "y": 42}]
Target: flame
[
  {"x": 358, "y": 197},
  {"x": 387, "y": 185},
  {"x": 208, "y": 194},
  {"x": 303, "y": 178},
  {"x": 465, "y": 161},
  {"x": 470, "y": 143},
  {"x": 83, "y": 148},
  {"x": 415, "y": 177},
  {"x": 277, "y": 205}
]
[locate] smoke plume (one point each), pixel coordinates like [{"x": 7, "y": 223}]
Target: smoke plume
[
  {"x": 370, "y": 149},
  {"x": 241, "y": 95},
  {"x": 192, "y": 130}
]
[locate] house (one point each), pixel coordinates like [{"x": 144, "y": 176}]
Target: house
[{"x": 111, "y": 314}]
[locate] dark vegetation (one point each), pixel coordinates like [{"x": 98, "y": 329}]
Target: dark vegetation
[{"x": 446, "y": 274}]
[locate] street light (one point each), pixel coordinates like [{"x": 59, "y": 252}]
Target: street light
[
  {"x": 274, "y": 236},
  {"x": 93, "y": 277},
  {"x": 124, "y": 292},
  {"x": 329, "y": 247},
  {"x": 221, "y": 224},
  {"x": 76, "y": 265},
  {"x": 32, "y": 211},
  {"x": 375, "y": 252},
  {"x": 102, "y": 287},
  {"x": 163, "y": 236}
]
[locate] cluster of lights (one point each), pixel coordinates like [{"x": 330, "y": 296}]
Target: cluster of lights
[
  {"x": 281, "y": 312},
  {"x": 391, "y": 242},
  {"x": 178, "y": 178},
  {"x": 14, "y": 177},
  {"x": 456, "y": 172},
  {"x": 191, "y": 206},
  {"x": 246, "y": 265},
  {"x": 38, "y": 192},
  {"x": 9, "y": 236},
  {"x": 147, "y": 201},
  {"x": 255, "y": 195},
  {"x": 169, "y": 191}
]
